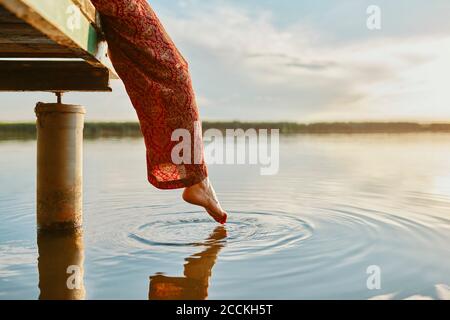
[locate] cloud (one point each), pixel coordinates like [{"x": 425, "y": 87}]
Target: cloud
[
  {"x": 283, "y": 74},
  {"x": 246, "y": 66}
]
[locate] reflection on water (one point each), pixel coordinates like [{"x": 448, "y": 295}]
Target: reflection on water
[
  {"x": 197, "y": 272},
  {"x": 60, "y": 265},
  {"x": 338, "y": 205}
]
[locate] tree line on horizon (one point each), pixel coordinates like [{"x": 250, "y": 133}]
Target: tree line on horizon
[{"x": 132, "y": 129}]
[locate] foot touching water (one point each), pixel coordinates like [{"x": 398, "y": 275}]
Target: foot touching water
[{"x": 203, "y": 195}]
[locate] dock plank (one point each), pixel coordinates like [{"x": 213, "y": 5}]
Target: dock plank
[
  {"x": 62, "y": 76},
  {"x": 61, "y": 31}
]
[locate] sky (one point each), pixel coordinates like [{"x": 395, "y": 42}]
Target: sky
[{"x": 291, "y": 60}]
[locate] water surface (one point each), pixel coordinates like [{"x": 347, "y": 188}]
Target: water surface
[{"x": 338, "y": 205}]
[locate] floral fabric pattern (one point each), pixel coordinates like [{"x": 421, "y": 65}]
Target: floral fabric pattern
[{"x": 157, "y": 80}]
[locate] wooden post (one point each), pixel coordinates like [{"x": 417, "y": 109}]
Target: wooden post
[{"x": 59, "y": 165}]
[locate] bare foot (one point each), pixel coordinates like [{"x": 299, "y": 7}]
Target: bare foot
[{"x": 203, "y": 195}]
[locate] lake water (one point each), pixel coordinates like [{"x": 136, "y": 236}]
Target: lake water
[{"x": 340, "y": 206}]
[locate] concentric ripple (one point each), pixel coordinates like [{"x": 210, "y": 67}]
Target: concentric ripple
[{"x": 246, "y": 232}]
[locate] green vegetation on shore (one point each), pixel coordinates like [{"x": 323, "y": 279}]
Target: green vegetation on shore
[{"x": 95, "y": 130}]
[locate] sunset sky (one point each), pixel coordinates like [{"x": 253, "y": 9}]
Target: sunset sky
[{"x": 311, "y": 60}]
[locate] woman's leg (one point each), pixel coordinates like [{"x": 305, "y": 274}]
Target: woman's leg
[{"x": 157, "y": 80}]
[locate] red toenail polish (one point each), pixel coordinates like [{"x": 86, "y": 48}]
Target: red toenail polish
[{"x": 224, "y": 220}]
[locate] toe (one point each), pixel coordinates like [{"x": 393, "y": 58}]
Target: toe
[
  {"x": 220, "y": 218},
  {"x": 224, "y": 219}
]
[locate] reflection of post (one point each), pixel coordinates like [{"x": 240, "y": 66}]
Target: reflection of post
[
  {"x": 197, "y": 271},
  {"x": 60, "y": 265}
]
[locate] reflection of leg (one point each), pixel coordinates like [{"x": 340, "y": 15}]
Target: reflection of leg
[
  {"x": 197, "y": 271},
  {"x": 61, "y": 266},
  {"x": 199, "y": 265}
]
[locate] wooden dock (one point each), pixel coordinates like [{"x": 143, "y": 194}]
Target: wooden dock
[
  {"x": 52, "y": 45},
  {"x": 56, "y": 46}
]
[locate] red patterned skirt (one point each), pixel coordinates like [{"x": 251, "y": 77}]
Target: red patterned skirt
[{"x": 157, "y": 80}]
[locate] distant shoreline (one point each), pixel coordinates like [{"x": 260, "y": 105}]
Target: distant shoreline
[{"x": 93, "y": 130}]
